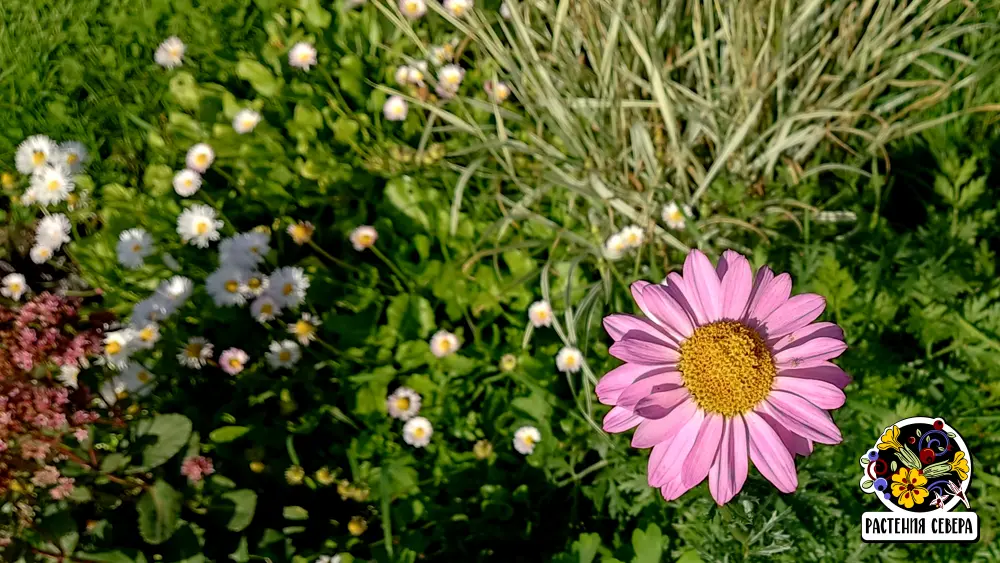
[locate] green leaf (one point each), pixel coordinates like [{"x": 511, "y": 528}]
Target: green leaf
[
  {"x": 648, "y": 545},
  {"x": 242, "y": 554},
  {"x": 295, "y": 513},
  {"x": 61, "y": 527},
  {"x": 116, "y": 556},
  {"x": 403, "y": 194},
  {"x": 587, "y": 547},
  {"x": 159, "y": 509},
  {"x": 245, "y": 503},
  {"x": 227, "y": 433},
  {"x": 114, "y": 462},
  {"x": 315, "y": 15},
  {"x": 259, "y": 77},
  {"x": 171, "y": 432}
]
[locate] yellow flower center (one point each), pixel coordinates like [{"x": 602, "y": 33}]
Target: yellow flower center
[
  {"x": 402, "y": 403},
  {"x": 445, "y": 345},
  {"x": 38, "y": 158},
  {"x": 44, "y": 252},
  {"x": 188, "y": 182},
  {"x": 412, "y": 6},
  {"x": 254, "y": 283},
  {"x": 529, "y": 440},
  {"x": 53, "y": 185},
  {"x": 727, "y": 367},
  {"x": 571, "y": 360},
  {"x": 364, "y": 239},
  {"x": 676, "y": 216},
  {"x": 266, "y": 309},
  {"x": 71, "y": 158},
  {"x": 201, "y": 228},
  {"x": 201, "y": 159},
  {"x": 419, "y": 432},
  {"x": 136, "y": 247},
  {"x": 287, "y": 289},
  {"x": 301, "y": 233},
  {"x": 234, "y": 362},
  {"x": 193, "y": 350},
  {"x": 15, "y": 287},
  {"x": 232, "y": 286},
  {"x": 144, "y": 376},
  {"x": 113, "y": 348},
  {"x": 174, "y": 51},
  {"x": 146, "y": 334},
  {"x": 284, "y": 355}
]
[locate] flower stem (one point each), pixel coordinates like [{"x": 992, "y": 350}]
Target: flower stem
[{"x": 392, "y": 266}]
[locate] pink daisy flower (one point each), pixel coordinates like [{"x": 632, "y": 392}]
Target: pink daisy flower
[
  {"x": 724, "y": 369},
  {"x": 233, "y": 360}
]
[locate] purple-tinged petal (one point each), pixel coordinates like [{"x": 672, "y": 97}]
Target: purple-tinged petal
[
  {"x": 760, "y": 282},
  {"x": 825, "y": 371},
  {"x": 820, "y": 393},
  {"x": 700, "y": 277},
  {"x": 659, "y": 405},
  {"x": 801, "y": 416},
  {"x": 702, "y": 456},
  {"x": 769, "y": 454},
  {"x": 797, "y": 312},
  {"x": 618, "y": 324},
  {"x": 810, "y": 353},
  {"x": 725, "y": 261},
  {"x": 620, "y": 419},
  {"x": 671, "y": 316},
  {"x": 637, "y": 289},
  {"x": 796, "y": 444},
  {"x": 674, "y": 489},
  {"x": 611, "y": 386},
  {"x": 640, "y": 350},
  {"x": 736, "y": 286},
  {"x": 652, "y": 432},
  {"x": 803, "y": 335},
  {"x": 667, "y": 456},
  {"x": 772, "y": 296},
  {"x": 680, "y": 289},
  {"x": 646, "y": 386},
  {"x": 729, "y": 472}
]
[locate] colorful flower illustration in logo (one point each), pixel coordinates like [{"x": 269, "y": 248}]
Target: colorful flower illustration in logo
[{"x": 918, "y": 465}]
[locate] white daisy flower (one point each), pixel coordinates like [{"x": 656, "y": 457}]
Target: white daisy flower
[
  {"x": 137, "y": 379},
  {"x": 301, "y": 232},
  {"x": 417, "y": 432},
  {"x": 245, "y": 250},
  {"x": 302, "y": 55},
  {"x": 633, "y": 236},
  {"x": 284, "y": 354},
  {"x": 134, "y": 245},
  {"x": 170, "y": 53},
  {"x": 330, "y": 558},
  {"x": 505, "y": 11},
  {"x": 197, "y": 225},
  {"x": 444, "y": 343},
  {"x": 245, "y": 120},
  {"x": 40, "y": 254},
  {"x": 52, "y": 231},
  {"x": 256, "y": 284},
  {"x": 450, "y": 77},
  {"x": 674, "y": 215},
  {"x": 569, "y": 360},
  {"x": 402, "y": 75},
  {"x": 200, "y": 157},
  {"x": 187, "y": 182},
  {"x": 69, "y": 376},
  {"x": 497, "y": 91},
  {"x": 175, "y": 291},
  {"x": 363, "y": 237},
  {"x": 614, "y": 247},
  {"x": 118, "y": 348},
  {"x": 403, "y": 403},
  {"x": 33, "y": 153},
  {"x": 442, "y": 54},
  {"x": 147, "y": 336},
  {"x": 73, "y": 155},
  {"x": 152, "y": 309},
  {"x": 196, "y": 353},
  {"x": 416, "y": 73},
  {"x": 395, "y": 108},
  {"x": 30, "y": 196},
  {"x": 304, "y": 329},
  {"x": 413, "y": 9},
  {"x": 458, "y": 8},
  {"x": 51, "y": 184},
  {"x": 13, "y": 286},
  {"x": 288, "y": 286},
  {"x": 225, "y": 285},
  {"x": 540, "y": 314},
  {"x": 525, "y": 439},
  {"x": 264, "y": 309}
]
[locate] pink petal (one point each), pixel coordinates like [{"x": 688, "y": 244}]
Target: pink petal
[
  {"x": 824, "y": 372},
  {"x": 701, "y": 277},
  {"x": 652, "y": 432},
  {"x": 737, "y": 283},
  {"x": 760, "y": 281},
  {"x": 637, "y": 289},
  {"x": 674, "y": 489},
  {"x": 610, "y": 387},
  {"x": 702, "y": 456},
  {"x": 793, "y": 442},
  {"x": 618, "y": 325},
  {"x": 672, "y": 316},
  {"x": 769, "y": 454},
  {"x": 620, "y": 419},
  {"x": 725, "y": 261},
  {"x": 820, "y": 393},
  {"x": 729, "y": 472},
  {"x": 640, "y": 350},
  {"x": 770, "y": 298},
  {"x": 666, "y": 458},
  {"x": 659, "y": 405},
  {"x": 803, "y": 335},
  {"x": 810, "y": 353},
  {"x": 793, "y": 314},
  {"x": 802, "y": 417},
  {"x": 682, "y": 293},
  {"x": 646, "y": 386}
]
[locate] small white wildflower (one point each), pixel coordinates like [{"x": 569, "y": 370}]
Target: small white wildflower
[
  {"x": 153, "y": 309},
  {"x": 51, "y": 184},
  {"x": 196, "y": 353},
  {"x": 33, "y": 153},
  {"x": 118, "y": 348},
  {"x": 403, "y": 403},
  {"x": 245, "y": 120},
  {"x": 69, "y": 376},
  {"x": 614, "y": 247},
  {"x": 540, "y": 314},
  {"x": 304, "y": 329},
  {"x": 442, "y": 54},
  {"x": 137, "y": 378},
  {"x": 175, "y": 291},
  {"x": 674, "y": 215},
  {"x": 264, "y": 309},
  {"x": 402, "y": 75},
  {"x": 301, "y": 232},
  {"x": 40, "y": 254},
  {"x": 633, "y": 236},
  {"x": 458, "y": 8},
  {"x": 288, "y": 286},
  {"x": 417, "y": 432},
  {"x": 450, "y": 77},
  {"x": 525, "y": 439},
  {"x": 225, "y": 285},
  {"x": 245, "y": 250},
  {"x": 134, "y": 245},
  {"x": 13, "y": 286},
  {"x": 416, "y": 73},
  {"x": 200, "y": 157},
  {"x": 284, "y": 354},
  {"x": 413, "y": 9},
  {"x": 497, "y": 91},
  {"x": 147, "y": 336},
  {"x": 302, "y": 55},
  {"x": 73, "y": 155},
  {"x": 331, "y": 558},
  {"x": 170, "y": 53},
  {"x": 187, "y": 182},
  {"x": 444, "y": 343},
  {"x": 569, "y": 360},
  {"x": 256, "y": 284},
  {"x": 52, "y": 231},
  {"x": 363, "y": 237},
  {"x": 197, "y": 225},
  {"x": 505, "y": 10},
  {"x": 395, "y": 108}
]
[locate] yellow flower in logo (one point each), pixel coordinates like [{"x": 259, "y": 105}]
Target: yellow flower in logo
[
  {"x": 960, "y": 465},
  {"x": 890, "y": 439},
  {"x": 908, "y": 485}
]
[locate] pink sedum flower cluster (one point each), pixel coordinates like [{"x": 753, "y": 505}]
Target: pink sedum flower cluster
[
  {"x": 37, "y": 333},
  {"x": 196, "y": 468}
]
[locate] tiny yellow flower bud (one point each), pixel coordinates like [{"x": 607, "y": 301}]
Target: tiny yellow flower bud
[
  {"x": 483, "y": 449},
  {"x": 508, "y": 362},
  {"x": 324, "y": 477},
  {"x": 357, "y": 526},
  {"x": 294, "y": 475},
  {"x": 257, "y": 466}
]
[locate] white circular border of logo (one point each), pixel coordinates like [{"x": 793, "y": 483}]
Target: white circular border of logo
[{"x": 958, "y": 440}]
